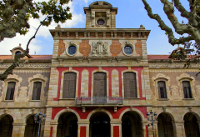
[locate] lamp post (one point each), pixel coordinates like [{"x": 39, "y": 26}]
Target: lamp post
[
  {"x": 39, "y": 118},
  {"x": 151, "y": 117}
]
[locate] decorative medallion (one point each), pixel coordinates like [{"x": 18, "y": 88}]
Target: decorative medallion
[
  {"x": 115, "y": 48},
  {"x": 138, "y": 47},
  {"x": 85, "y": 48},
  {"x": 61, "y": 47},
  {"x": 99, "y": 48}
]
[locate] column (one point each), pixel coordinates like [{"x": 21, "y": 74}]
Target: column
[
  {"x": 53, "y": 128},
  {"x": 198, "y": 122},
  {"x": 179, "y": 129},
  {"x": 83, "y": 128},
  {"x": 116, "y": 128},
  {"x": 48, "y": 127},
  {"x": 18, "y": 129},
  {"x": 146, "y": 129}
]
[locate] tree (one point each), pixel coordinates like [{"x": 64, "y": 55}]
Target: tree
[
  {"x": 191, "y": 42},
  {"x": 14, "y": 17}
]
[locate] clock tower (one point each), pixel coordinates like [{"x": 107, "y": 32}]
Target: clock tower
[{"x": 100, "y": 14}]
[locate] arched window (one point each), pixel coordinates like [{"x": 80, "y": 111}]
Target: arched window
[
  {"x": 36, "y": 90},
  {"x": 187, "y": 89},
  {"x": 130, "y": 85},
  {"x": 69, "y": 85},
  {"x": 100, "y": 84},
  {"x": 10, "y": 90},
  {"x": 162, "y": 89}
]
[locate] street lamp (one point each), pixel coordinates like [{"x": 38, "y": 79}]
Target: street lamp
[
  {"x": 39, "y": 118},
  {"x": 151, "y": 117}
]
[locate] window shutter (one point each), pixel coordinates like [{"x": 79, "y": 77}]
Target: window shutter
[
  {"x": 10, "y": 90},
  {"x": 130, "y": 85},
  {"x": 187, "y": 89},
  {"x": 162, "y": 89},
  {"x": 99, "y": 84},
  {"x": 36, "y": 90},
  {"x": 69, "y": 85}
]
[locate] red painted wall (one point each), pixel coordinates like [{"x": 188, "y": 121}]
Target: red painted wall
[
  {"x": 84, "y": 115},
  {"x": 109, "y": 70},
  {"x": 83, "y": 132},
  {"x": 115, "y": 131}
]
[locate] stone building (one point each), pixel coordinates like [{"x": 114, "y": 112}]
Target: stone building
[{"x": 99, "y": 82}]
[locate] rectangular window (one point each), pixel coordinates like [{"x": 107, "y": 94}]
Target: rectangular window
[
  {"x": 10, "y": 90},
  {"x": 36, "y": 90},
  {"x": 100, "y": 88},
  {"x": 162, "y": 89},
  {"x": 187, "y": 89},
  {"x": 69, "y": 85},
  {"x": 130, "y": 85}
]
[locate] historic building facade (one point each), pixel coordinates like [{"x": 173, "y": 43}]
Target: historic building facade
[{"x": 99, "y": 82}]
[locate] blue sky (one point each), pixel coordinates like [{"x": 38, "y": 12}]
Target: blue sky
[{"x": 131, "y": 14}]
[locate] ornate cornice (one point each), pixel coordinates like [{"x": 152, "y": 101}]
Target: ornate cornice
[
  {"x": 172, "y": 65},
  {"x": 74, "y": 33},
  {"x": 27, "y": 65}
]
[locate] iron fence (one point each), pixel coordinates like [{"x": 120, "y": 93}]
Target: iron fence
[{"x": 99, "y": 100}]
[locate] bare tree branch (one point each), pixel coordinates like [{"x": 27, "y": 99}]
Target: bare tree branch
[
  {"x": 179, "y": 27},
  {"x": 191, "y": 16},
  {"x": 18, "y": 57},
  {"x": 164, "y": 27}
]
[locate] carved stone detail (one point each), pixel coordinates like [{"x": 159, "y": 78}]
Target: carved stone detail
[
  {"x": 99, "y": 48},
  {"x": 27, "y": 65},
  {"x": 171, "y": 65}
]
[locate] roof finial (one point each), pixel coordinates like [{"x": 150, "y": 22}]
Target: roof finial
[{"x": 20, "y": 44}]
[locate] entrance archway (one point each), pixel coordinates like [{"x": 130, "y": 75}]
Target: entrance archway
[
  {"x": 191, "y": 125},
  {"x": 165, "y": 125},
  {"x": 100, "y": 125},
  {"x": 31, "y": 127},
  {"x": 131, "y": 125},
  {"x": 6, "y": 126},
  {"x": 67, "y": 125}
]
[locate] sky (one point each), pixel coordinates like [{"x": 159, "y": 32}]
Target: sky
[{"x": 131, "y": 14}]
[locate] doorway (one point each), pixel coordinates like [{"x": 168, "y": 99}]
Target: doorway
[{"x": 100, "y": 125}]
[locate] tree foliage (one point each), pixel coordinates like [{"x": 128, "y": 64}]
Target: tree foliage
[{"x": 14, "y": 17}]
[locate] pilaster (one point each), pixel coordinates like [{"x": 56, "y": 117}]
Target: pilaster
[
  {"x": 18, "y": 129},
  {"x": 179, "y": 129}
]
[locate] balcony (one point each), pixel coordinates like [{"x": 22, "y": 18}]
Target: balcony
[{"x": 95, "y": 101}]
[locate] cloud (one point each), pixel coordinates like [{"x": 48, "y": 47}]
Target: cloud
[{"x": 8, "y": 43}]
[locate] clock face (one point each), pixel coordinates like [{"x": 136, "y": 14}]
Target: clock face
[{"x": 100, "y": 22}]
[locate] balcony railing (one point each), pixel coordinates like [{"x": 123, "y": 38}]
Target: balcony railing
[{"x": 99, "y": 101}]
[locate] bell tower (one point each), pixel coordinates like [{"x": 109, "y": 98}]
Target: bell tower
[{"x": 100, "y": 14}]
